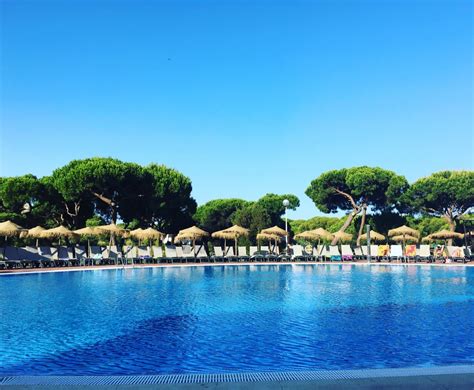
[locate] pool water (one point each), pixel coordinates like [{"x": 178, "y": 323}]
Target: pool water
[{"x": 235, "y": 319}]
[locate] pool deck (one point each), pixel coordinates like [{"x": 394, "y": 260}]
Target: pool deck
[
  {"x": 446, "y": 377},
  {"x": 203, "y": 264}
]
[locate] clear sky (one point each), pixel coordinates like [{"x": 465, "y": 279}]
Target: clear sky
[{"x": 244, "y": 97}]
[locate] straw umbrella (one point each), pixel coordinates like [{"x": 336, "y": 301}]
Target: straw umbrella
[
  {"x": 446, "y": 235},
  {"x": 374, "y": 236},
  {"x": 276, "y": 230},
  {"x": 307, "y": 235},
  {"x": 404, "y": 231},
  {"x": 268, "y": 237},
  {"x": 113, "y": 230},
  {"x": 192, "y": 233},
  {"x": 9, "y": 229},
  {"x": 342, "y": 236},
  {"x": 404, "y": 238},
  {"x": 88, "y": 232},
  {"x": 232, "y": 233},
  {"x": 58, "y": 232},
  {"x": 148, "y": 234},
  {"x": 35, "y": 232},
  {"x": 223, "y": 235}
]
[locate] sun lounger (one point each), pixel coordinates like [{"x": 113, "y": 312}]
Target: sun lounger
[
  {"x": 46, "y": 254},
  {"x": 468, "y": 254},
  {"x": 200, "y": 254},
  {"x": 243, "y": 256},
  {"x": 61, "y": 257},
  {"x": 456, "y": 253},
  {"x": 255, "y": 255},
  {"x": 423, "y": 254},
  {"x": 230, "y": 256},
  {"x": 144, "y": 255},
  {"x": 25, "y": 257},
  {"x": 410, "y": 253},
  {"x": 334, "y": 254},
  {"x": 157, "y": 254},
  {"x": 218, "y": 255},
  {"x": 298, "y": 254},
  {"x": 12, "y": 258},
  {"x": 358, "y": 254},
  {"x": 346, "y": 253},
  {"x": 81, "y": 254},
  {"x": 97, "y": 255},
  {"x": 170, "y": 254},
  {"x": 382, "y": 252},
  {"x": 267, "y": 255},
  {"x": 113, "y": 255},
  {"x": 396, "y": 253},
  {"x": 323, "y": 251},
  {"x": 183, "y": 257}
]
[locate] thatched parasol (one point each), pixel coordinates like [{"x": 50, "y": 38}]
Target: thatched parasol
[
  {"x": 275, "y": 230},
  {"x": 322, "y": 234},
  {"x": 446, "y": 235},
  {"x": 10, "y": 229},
  {"x": 404, "y": 238},
  {"x": 113, "y": 230},
  {"x": 342, "y": 236},
  {"x": 307, "y": 235},
  {"x": 192, "y": 233},
  {"x": 374, "y": 236},
  {"x": 428, "y": 238},
  {"x": 403, "y": 230},
  {"x": 231, "y": 233},
  {"x": 148, "y": 234},
  {"x": 35, "y": 232},
  {"x": 268, "y": 237},
  {"x": 58, "y": 232},
  {"x": 88, "y": 232}
]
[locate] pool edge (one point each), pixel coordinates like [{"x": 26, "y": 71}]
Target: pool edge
[{"x": 466, "y": 371}]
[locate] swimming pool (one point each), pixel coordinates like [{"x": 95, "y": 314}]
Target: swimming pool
[{"x": 235, "y": 319}]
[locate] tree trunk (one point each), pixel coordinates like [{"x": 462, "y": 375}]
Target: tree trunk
[
  {"x": 452, "y": 226},
  {"x": 362, "y": 223},
  {"x": 346, "y": 224}
]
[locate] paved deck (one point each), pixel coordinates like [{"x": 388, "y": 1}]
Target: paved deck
[
  {"x": 446, "y": 377},
  {"x": 103, "y": 267}
]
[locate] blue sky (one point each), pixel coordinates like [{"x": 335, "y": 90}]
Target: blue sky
[{"x": 244, "y": 97}]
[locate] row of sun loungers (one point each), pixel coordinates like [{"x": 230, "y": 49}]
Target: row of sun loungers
[{"x": 30, "y": 257}]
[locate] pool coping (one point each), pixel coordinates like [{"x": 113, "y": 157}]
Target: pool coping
[
  {"x": 219, "y": 264},
  {"x": 465, "y": 371}
]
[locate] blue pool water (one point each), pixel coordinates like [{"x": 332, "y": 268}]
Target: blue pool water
[{"x": 235, "y": 319}]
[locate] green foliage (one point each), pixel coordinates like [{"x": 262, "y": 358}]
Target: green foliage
[
  {"x": 96, "y": 220},
  {"x": 254, "y": 217},
  {"x": 427, "y": 225},
  {"x": 346, "y": 189},
  {"x": 448, "y": 194},
  {"x": 171, "y": 206},
  {"x": 273, "y": 204},
  {"x": 29, "y": 201},
  {"x": 217, "y": 214}
]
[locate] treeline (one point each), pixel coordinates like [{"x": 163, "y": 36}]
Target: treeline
[{"x": 102, "y": 190}]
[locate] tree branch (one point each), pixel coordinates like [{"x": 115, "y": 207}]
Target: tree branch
[{"x": 347, "y": 196}]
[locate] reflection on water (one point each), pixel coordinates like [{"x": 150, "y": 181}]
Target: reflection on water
[{"x": 236, "y": 318}]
